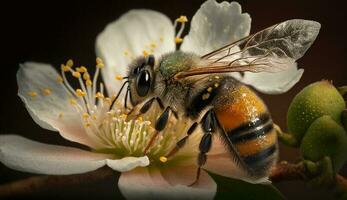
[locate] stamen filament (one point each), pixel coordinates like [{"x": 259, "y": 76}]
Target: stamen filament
[
  {"x": 85, "y": 97},
  {"x": 94, "y": 81},
  {"x": 179, "y": 34},
  {"x": 67, "y": 84},
  {"x": 182, "y": 20}
]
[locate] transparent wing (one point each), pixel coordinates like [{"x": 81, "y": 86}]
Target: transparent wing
[{"x": 273, "y": 49}]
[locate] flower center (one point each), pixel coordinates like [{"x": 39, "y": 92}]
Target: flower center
[
  {"x": 126, "y": 136},
  {"x": 107, "y": 124}
]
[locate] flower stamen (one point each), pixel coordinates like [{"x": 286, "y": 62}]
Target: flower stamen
[
  {"x": 60, "y": 79},
  {"x": 163, "y": 159},
  {"x": 32, "y": 94},
  {"x": 119, "y": 77},
  {"x": 46, "y": 91},
  {"x": 182, "y": 21},
  {"x": 104, "y": 120}
]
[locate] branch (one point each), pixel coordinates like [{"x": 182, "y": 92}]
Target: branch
[
  {"x": 288, "y": 171},
  {"x": 35, "y": 184},
  {"x": 283, "y": 171}
]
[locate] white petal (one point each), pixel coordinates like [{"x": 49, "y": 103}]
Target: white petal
[
  {"x": 22, "y": 154},
  {"x": 273, "y": 83},
  {"x": 46, "y": 109},
  {"x": 128, "y": 163},
  {"x": 133, "y": 33},
  {"x": 145, "y": 183},
  {"x": 215, "y": 25}
]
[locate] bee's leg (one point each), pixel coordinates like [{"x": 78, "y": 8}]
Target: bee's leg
[
  {"x": 159, "y": 126},
  {"x": 146, "y": 106},
  {"x": 149, "y": 103},
  {"x": 182, "y": 141},
  {"x": 209, "y": 125}
]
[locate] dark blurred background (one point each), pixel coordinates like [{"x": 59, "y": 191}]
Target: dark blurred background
[{"x": 54, "y": 31}]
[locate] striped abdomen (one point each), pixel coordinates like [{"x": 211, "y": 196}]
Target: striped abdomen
[{"x": 249, "y": 129}]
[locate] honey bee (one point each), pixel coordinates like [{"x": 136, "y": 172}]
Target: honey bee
[{"x": 203, "y": 89}]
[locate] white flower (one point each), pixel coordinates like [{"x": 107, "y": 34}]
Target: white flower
[{"x": 82, "y": 114}]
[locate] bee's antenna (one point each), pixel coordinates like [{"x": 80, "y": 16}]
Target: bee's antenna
[
  {"x": 126, "y": 97},
  {"x": 119, "y": 92}
]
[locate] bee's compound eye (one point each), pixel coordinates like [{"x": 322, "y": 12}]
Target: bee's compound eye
[{"x": 143, "y": 83}]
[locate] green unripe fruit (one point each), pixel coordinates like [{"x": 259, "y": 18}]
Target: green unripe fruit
[
  {"x": 325, "y": 137},
  {"x": 344, "y": 119},
  {"x": 343, "y": 91},
  {"x": 315, "y": 100}
]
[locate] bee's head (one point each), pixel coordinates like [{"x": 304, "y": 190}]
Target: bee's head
[{"x": 141, "y": 78}]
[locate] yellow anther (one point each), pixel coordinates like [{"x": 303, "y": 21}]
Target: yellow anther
[
  {"x": 216, "y": 77},
  {"x": 163, "y": 159},
  {"x": 145, "y": 53},
  {"x": 126, "y": 52},
  {"x": 178, "y": 40},
  {"x": 99, "y": 63},
  {"x": 182, "y": 19},
  {"x": 88, "y": 125},
  {"x": 59, "y": 79},
  {"x": 119, "y": 77},
  {"x": 80, "y": 93},
  {"x": 205, "y": 96},
  {"x": 108, "y": 100},
  {"x": 32, "y": 94},
  {"x": 76, "y": 74},
  {"x": 85, "y": 115},
  {"x": 81, "y": 69},
  {"x": 69, "y": 63},
  {"x": 60, "y": 115},
  {"x": 153, "y": 45},
  {"x": 65, "y": 68},
  {"x": 98, "y": 60},
  {"x": 94, "y": 117},
  {"x": 123, "y": 116},
  {"x": 46, "y": 91},
  {"x": 89, "y": 83},
  {"x": 209, "y": 89},
  {"x": 140, "y": 119},
  {"x": 216, "y": 85},
  {"x": 73, "y": 101},
  {"x": 86, "y": 76},
  {"x": 99, "y": 95}
]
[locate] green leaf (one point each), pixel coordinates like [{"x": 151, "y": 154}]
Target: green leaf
[{"x": 236, "y": 189}]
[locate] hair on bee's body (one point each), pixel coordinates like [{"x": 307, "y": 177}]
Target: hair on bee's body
[
  {"x": 246, "y": 126},
  {"x": 235, "y": 105},
  {"x": 202, "y": 89}
]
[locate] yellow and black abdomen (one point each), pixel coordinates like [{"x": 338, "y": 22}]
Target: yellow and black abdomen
[{"x": 248, "y": 126}]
